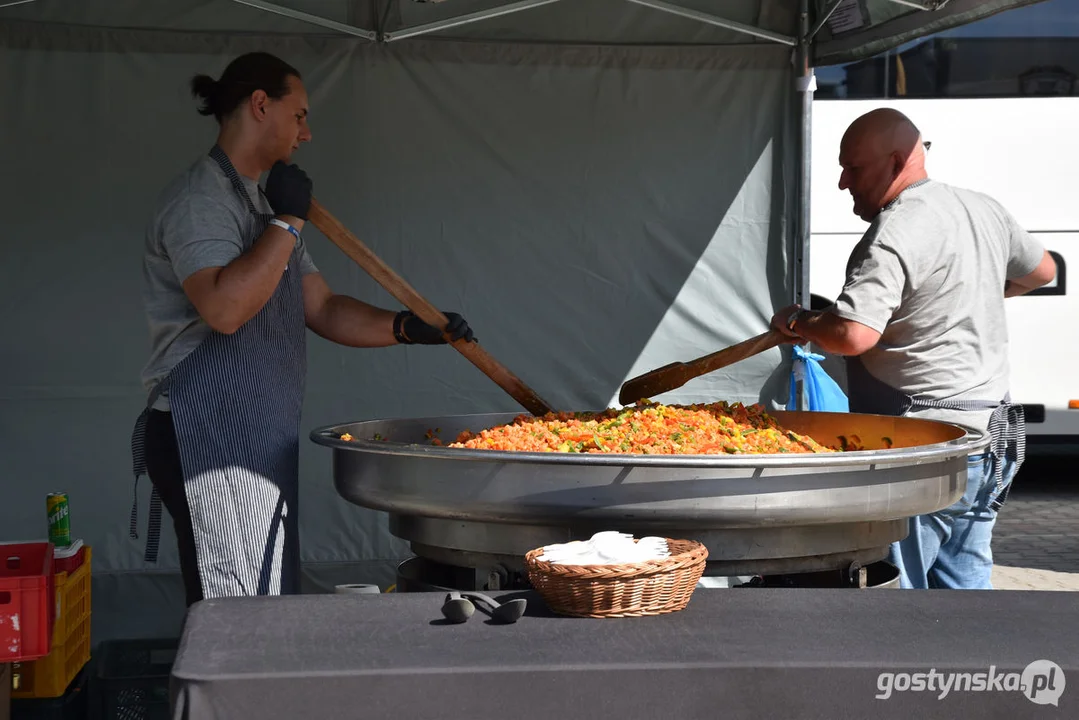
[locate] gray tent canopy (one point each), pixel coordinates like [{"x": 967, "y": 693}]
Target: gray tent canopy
[
  {"x": 839, "y": 30},
  {"x": 600, "y": 186}
]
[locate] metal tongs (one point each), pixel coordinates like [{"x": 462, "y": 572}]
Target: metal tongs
[{"x": 458, "y": 607}]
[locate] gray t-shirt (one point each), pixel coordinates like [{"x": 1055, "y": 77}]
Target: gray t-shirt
[
  {"x": 929, "y": 276},
  {"x": 200, "y": 222}
]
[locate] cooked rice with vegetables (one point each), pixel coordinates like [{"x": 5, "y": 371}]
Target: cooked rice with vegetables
[{"x": 647, "y": 428}]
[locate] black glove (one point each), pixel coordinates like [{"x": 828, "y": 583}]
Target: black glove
[
  {"x": 289, "y": 190},
  {"x": 409, "y": 329}
]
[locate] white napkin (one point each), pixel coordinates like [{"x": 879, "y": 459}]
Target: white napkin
[{"x": 606, "y": 548}]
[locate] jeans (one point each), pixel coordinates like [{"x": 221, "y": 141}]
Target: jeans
[{"x": 952, "y": 548}]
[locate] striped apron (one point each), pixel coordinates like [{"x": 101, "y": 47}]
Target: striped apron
[
  {"x": 236, "y": 402},
  {"x": 1007, "y": 424}
]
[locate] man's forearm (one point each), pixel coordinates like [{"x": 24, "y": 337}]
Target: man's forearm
[
  {"x": 1014, "y": 289},
  {"x": 817, "y": 329},
  {"x": 833, "y": 334},
  {"x": 348, "y": 321}
]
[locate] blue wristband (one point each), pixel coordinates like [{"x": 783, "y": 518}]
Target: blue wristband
[{"x": 285, "y": 226}]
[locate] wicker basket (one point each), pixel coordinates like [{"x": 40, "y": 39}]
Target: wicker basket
[{"x": 654, "y": 587}]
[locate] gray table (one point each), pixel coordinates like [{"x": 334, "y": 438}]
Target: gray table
[{"x": 733, "y": 653}]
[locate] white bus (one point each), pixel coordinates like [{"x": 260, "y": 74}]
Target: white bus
[{"x": 998, "y": 101}]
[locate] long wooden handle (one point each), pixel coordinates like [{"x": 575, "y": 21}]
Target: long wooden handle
[
  {"x": 675, "y": 375},
  {"x": 339, "y": 235}
]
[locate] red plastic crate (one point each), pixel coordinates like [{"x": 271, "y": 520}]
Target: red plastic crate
[
  {"x": 51, "y": 676},
  {"x": 27, "y": 601}
]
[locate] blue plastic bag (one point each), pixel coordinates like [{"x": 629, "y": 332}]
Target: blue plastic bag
[{"x": 822, "y": 392}]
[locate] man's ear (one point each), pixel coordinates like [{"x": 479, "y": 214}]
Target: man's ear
[
  {"x": 898, "y": 163},
  {"x": 258, "y": 102}
]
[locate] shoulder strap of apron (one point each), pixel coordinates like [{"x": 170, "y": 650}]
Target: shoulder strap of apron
[
  {"x": 234, "y": 177},
  {"x": 138, "y": 436}
]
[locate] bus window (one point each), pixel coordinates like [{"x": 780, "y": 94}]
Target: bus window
[{"x": 1032, "y": 51}]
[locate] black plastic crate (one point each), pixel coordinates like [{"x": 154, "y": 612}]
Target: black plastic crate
[
  {"x": 72, "y": 705},
  {"x": 133, "y": 678}
]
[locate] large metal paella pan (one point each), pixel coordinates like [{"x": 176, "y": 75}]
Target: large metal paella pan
[{"x": 756, "y": 513}]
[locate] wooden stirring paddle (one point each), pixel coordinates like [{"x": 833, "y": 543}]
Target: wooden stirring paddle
[
  {"x": 339, "y": 235},
  {"x": 677, "y": 374}
]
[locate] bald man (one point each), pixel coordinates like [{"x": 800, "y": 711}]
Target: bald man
[{"x": 922, "y": 324}]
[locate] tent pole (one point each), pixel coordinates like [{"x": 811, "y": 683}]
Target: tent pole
[
  {"x": 717, "y": 21},
  {"x": 805, "y": 84},
  {"x": 920, "y": 5},
  {"x": 464, "y": 19},
  {"x": 824, "y": 18},
  {"x": 309, "y": 18}
]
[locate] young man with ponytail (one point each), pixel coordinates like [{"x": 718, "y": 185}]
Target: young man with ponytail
[{"x": 230, "y": 291}]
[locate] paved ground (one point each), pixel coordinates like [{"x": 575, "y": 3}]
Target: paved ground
[{"x": 1036, "y": 540}]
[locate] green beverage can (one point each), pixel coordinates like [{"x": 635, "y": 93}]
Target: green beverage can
[{"x": 59, "y": 519}]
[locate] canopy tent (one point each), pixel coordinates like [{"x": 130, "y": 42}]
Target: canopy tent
[
  {"x": 599, "y": 186},
  {"x": 837, "y": 30}
]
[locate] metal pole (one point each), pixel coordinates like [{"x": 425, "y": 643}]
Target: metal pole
[
  {"x": 805, "y": 85},
  {"x": 309, "y": 18},
  {"x": 887, "y": 73},
  {"x": 718, "y": 22},
  {"x": 806, "y": 82},
  {"x": 824, "y": 18},
  {"x": 919, "y": 5},
  {"x": 464, "y": 19},
  {"x": 17, "y": 2}
]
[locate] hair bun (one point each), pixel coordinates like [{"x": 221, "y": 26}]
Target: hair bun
[
  {"x": 205, "y": 87},
  {"x": 243, "y": 76}
]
